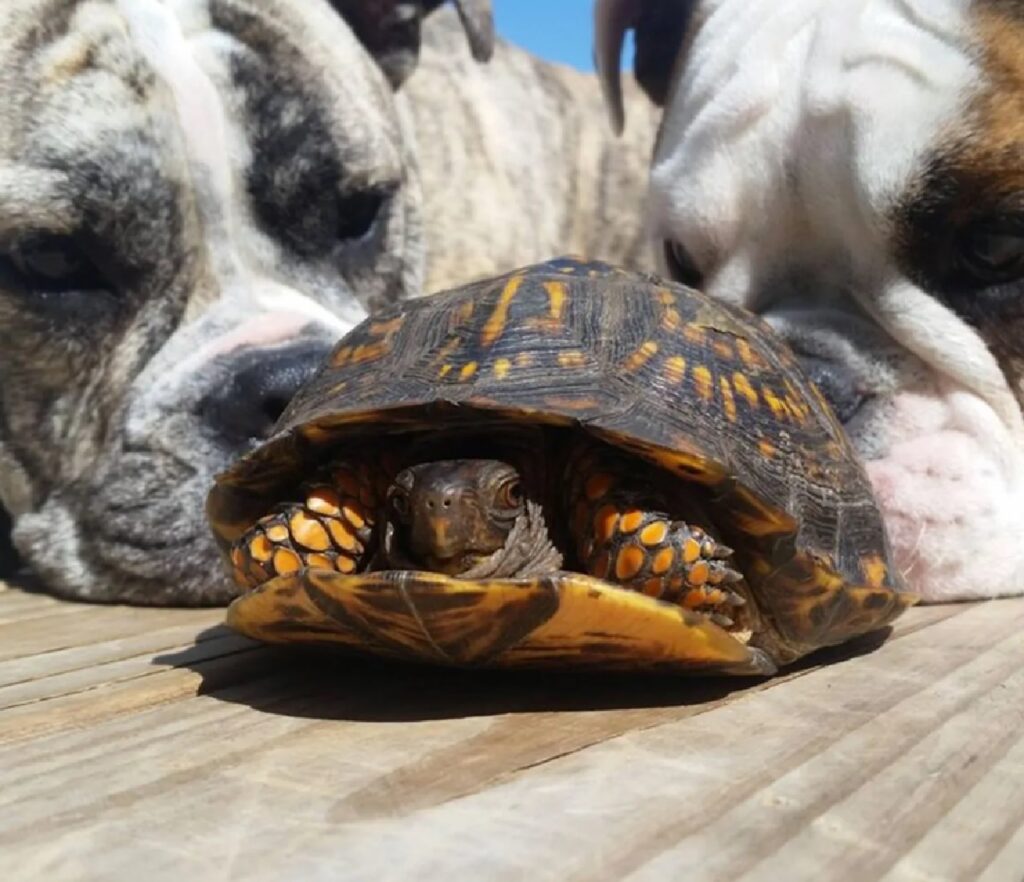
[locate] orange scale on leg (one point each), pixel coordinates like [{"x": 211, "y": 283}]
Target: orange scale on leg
[
  {"x": 631, "y": 520},
  {"x": 629, "y": 562},
  {"x": 324, "y": 501},
  {"x": 662, "y": 561},
  {"x": 698, "y": 573},
  {"x": 605, "y": 521},
  {"x": 277, "y": 533},
  {"x": 286, "y": 562}
]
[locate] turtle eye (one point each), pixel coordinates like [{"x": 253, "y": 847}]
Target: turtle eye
[
  {"x": 993, "y": 251},
  {"x": 399, "y": 502},
  {"x": 510, "y": 493},
  {"x": 681, "y": 265}
]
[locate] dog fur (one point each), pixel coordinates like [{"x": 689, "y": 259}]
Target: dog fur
[
  {"x": 848, "y": 169},
  {"x": 197, "y": 197}
]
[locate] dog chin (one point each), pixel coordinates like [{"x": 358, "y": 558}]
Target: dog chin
[
  {"x": 111, "y": 568},
  {"x": 950, "y": 483}
]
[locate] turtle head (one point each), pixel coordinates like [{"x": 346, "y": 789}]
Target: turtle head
[{"x": 467, "y": 518}]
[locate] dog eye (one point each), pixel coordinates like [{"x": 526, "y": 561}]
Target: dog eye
[
  {"x": 682, "y": 266},
  {"x": 48, "y": 263},
  {"x": 357, "y": 213},
  {"x": 993, "y": 251}
]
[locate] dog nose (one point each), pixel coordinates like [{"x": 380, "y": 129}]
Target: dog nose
[
  {"x": 247, "y": 407},
  {"x": 837, "y": 384}
]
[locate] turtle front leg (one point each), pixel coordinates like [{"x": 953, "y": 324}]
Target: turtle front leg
[
  {"x": 331, "y": 528},
  {"x": 624, "y": 534}
]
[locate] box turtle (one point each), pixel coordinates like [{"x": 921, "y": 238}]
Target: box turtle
[{"x": 570, "y": 465}]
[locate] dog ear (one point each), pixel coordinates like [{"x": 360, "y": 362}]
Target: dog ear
[
  {"x": 390, "y": 30},
  {"x": 660, "y": 27}
]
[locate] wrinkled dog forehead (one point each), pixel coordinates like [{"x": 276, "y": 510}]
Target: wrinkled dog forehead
[{"x": 196, "y": 197}]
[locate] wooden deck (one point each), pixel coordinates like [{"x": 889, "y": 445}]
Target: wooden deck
[{"x": 154, "y": 744}]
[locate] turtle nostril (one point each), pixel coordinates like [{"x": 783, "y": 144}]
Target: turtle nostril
[{"x": 447, "y": 503}]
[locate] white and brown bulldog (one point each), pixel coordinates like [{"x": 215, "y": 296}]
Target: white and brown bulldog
[
  {"x": 197, "y": 197},
  {"x": 853, "y": 171}
]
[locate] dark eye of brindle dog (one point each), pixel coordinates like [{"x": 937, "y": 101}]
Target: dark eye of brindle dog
[
  {"x": 49, "y": 263},
  {"x": 991, "y": 251}
]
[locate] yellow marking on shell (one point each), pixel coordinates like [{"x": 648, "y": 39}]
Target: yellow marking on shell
[
  {"x": 449, "y": 347},
  {"x": 695, "y": 334},
  {"x": 671, "y": 320},
  {"x": 524, "y": 359},
  {"x": 309, "y": 533},
  {"x": 666, "y": 297},
  {"x": 468, "y": 370},
  {"x": 324, "y": 501},
  {"x": 370, "y": 352},
  {"x": 445, "y": 370},
  {"x": 465, "y": 310},
  {"x": 768, "y": 450},
  {"x": 343, "y": 537},
  {"x": 342, "y": 356},
  {"x": 662, "y": 561},
  {"x": 260, "y": 548},
  {"x": 743, "y": 387},
  {"x": 597, "y": 485},
  {"x": 383, "y": 328},
  {"x": 631, "y": 520},
  {"x": 572, "y": 358},
  {"x": 722, "y": 349},
  {"x": 605, "y": 523},
  {"x": 558, "y": 403},
  {"x": 277, "y": 533},
  {"x": 874, "y": 570},
  {"x": 629, "y": 562},
  {"x": 702, "y": 382},
  {"x": 654, "y": 534},
  {"x": 496, "y": 323},
  {"x": 748, "y": 356},
  {"x": 691, "y": 550},
  {"x": 345, "y": 564},
  {"x": 728, "y": 402},
  {"x": 647, "y": 350},
  {"x": 675, "y": 369},
  {"x": 353, "y": 515},
  {"x": 238, "y": 557},
  {"x": 556, "y": 299},
  {"x": 777, "y": 405},
  {"x": 501, "y": 368},
  {"x": 286, "y": 562}
]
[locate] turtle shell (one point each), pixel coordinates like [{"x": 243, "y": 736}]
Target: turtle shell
[{"x": 696, "y": 387}]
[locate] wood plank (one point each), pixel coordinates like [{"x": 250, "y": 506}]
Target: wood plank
[{"x": 306, "y": 766}]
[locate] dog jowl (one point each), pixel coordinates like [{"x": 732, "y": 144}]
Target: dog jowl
[
  {"x": 854, "y": 172},
  {"x": 196, "y": 200}
]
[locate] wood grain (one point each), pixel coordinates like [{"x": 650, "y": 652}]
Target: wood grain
[{"x": 156, "y": 744}]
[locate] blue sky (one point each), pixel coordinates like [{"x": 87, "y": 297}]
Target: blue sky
[{"x": 560, "y": 30}]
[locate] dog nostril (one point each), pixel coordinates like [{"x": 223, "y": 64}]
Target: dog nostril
[{"x": 262, "y": 383}]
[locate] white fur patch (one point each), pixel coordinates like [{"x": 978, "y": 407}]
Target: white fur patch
[
  {"x": 169, "y": 35},
  {"x": 795, "y": 126}
]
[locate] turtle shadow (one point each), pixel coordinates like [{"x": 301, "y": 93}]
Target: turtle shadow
[{"x": 329, "y": 684}]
